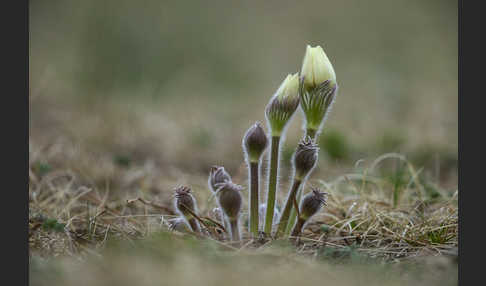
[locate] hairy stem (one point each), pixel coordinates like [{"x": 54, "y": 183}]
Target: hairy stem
[
  {"x": 254, "y": 198},
  {"x": 284, "y": 218},
  {"x": 272, "y": 183},
  {"x": 293, "y": 213},
  {"x": 194, "y": 225},
  {"x": 224, "y": 222},
  {"x": 235, "y": 230},
  {"x": 298, "y": 227}
]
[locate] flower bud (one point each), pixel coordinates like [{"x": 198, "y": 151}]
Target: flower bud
[
  {"x": 283, "y": 104},
  {"x": 316, "y": 68},
  {"x": 305, "y": 158},
  {"x": 312, "y": 203},
  {"x": 229, "y": 199},
  {"x": 185, "y": 204},
  {"x": 184, "y": 201},
  {"x": 317, "y": 88},
  {"x": 217, "y": 175},
  {"x": 255, "y": 142}
]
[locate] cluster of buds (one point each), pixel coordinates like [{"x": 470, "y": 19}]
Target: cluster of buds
[
  {"x": 304, "y": 160},
  {"x": 228, "y": 198},
  {"x": 314, "y": 91}
]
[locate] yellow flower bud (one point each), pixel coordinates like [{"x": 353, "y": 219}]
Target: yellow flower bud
[
  {"x": 316, "y": 67},
  {"x": 283, "y": 104},
  {"x": 289, "y": 87}
]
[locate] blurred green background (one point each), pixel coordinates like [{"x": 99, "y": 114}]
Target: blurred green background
[{"x": 177, "y": 83}]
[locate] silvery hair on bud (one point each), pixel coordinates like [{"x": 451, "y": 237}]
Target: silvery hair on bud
[
  {"x": 184, "y": 200},
  {"x": 305, "y": 157},
  {"x": 312, "y": 203},
  {"x": 317, "y": 103},
  {"x": 229, "y": 198},
  {"x": 255, "y": 141},
  {"x": 279, "y": 110},
  {"x": 217, "y": 175}
]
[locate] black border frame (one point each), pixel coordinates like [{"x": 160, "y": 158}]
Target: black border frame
[{"x": 14, "y": 118}]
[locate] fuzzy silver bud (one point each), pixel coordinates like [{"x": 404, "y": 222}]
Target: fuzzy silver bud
[
  {"x": 255, "y": 142},
  {"x": 217, "y": 175},
  {"x": 312, "y": 203},
  {"x": 229, "y": 199},
  {"x": 185, "y": 204},
  {"x": 309, "y": 206},
  {"x": 305, "y": 157}
]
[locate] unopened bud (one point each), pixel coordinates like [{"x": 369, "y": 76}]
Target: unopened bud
[
  {"x": 217, "y": 175},
  {"x": 283, "y": 104},
  {"x": 316, "y": 68},
  {"x": 312, "y": 203},
  {"x": 305, "y": 157},
  {"x": 317, "y": 88},
  {"x": 255, "y": 142},
  {"x": 229, "y": 199},
  {"x": 185, "y": 204}
]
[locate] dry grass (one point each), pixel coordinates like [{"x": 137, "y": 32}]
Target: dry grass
[
  {"x": 362, "y": 211},
  {"x": 85, "y": 195},
  {"x": 371, "y": 216}
]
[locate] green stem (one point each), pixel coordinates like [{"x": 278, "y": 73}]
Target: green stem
[
  {"x": 272, "y": 184},
  {"x": 293, "y": 213},
  {"x": 284, "y": 217},
  {"x": 254, "y": 200}
]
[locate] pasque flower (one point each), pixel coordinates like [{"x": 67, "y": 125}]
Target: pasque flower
[
  {"x": 217, "y": 175},
  {"x": 229, "y": 200},
  {"x": 254, "y": 144},
  {"x": 185, "y": 204},
  {"x": 278, "y": 112},
  {"x": 317, "y": 88},
  {"x": 283, "y": 104},
  {"x": 311, "y": 204}
]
